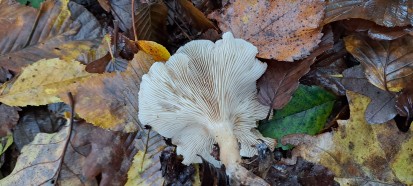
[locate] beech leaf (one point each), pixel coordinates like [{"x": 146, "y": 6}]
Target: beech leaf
[
  {"x": 359, "y": 153},
  {"x": 307, "y": 113},
  {"x": 381, "y": 108},
  {"x": 110, "y": 100},
  {"x": 58, "y": 29},
  {"x": 388, "y": 65},
  {"x": 288, "y": 32},
  {"x": 36, "y": 164},
  {"x": 382, "y": 12},
  {"x": 146, "y": 167},
  {"x": 198, "y": 19},
  {"x": 280, "y": 79},
  {"x": 150, "y": 22},
  {"x": 41, "y": 82}
]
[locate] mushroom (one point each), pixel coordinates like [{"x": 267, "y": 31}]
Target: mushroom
[{"x": 206, "y": 94}]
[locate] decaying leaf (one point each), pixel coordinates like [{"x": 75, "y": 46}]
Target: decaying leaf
[
  {"x": 146, "y": 168},
  {"x": 288, "y": 32},
  {"x": 280, "y": 79},
  {"x": 41, "y": 82},
  {"x": 404, "y": 102},
  {"x": 39, "y": 161},
  {"x": 150, "y": 22},
  {"x": 106, "y": 153},
  {"x": 358, "y": 153},
  {"x": 388, "y": 65},
  {"x": 122, "y": 11},
  {"x": 381, "y": 108},
  {"x": 382, "y": 12},
  {"x": 376, "y": 31},
  {"x": 8, "y": 119},
  {"x": 198, "y": 19},
  {"x": 110, "y": 100},
  {"x": 59, "y": 29},
  {"x": 307, "y": 113}
]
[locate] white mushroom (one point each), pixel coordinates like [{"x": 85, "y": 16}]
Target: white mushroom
[{"x": 206, "y": 94}]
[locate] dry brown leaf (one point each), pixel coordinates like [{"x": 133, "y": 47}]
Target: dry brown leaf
[
  {"x": 388, "y": 65},
  {"x": 359, "y": 153},
  {"x": 150, "y": 22},
  {"x": 110, "y": 100},
  {"x": 383, "y": 12},
  {"x": 8, "y": 119},
  {"x": 282, "y": 30},
  {"x": 381, "y": 108},
  {"x": 198, "y": 19},
  {"x": 280, "y": 80},
  {"x": 376, "y": 31},
  {"x": 59, "y": 29}
]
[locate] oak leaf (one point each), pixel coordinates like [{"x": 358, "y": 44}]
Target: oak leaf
[
  {"x": 382, "y": 12},
  {"x": 58, "y": 29},
  {"x": 359, "y": 153},
  {"x": 288, "y": 32},
  {"x": 388, "y": 65}
]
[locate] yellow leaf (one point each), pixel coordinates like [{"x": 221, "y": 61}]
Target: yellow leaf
[
  {"x": 41, "y": 82},
  {"x": 359, "y": 153},
  {"x": 157, "y": 51}
]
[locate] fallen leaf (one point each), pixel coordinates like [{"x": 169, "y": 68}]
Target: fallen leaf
[
  {"x": 150, "y": 22},
  {"x": 381, "y": 108},
  {"x": 359, "y": 153},
  {"x": 35, "y": 120},
  {"x": 280, "y": 79},
  {"x": 36, "y": 87},
  {"x": 382, "y": 12},
  {"x": 105, "y": 4},
  {"x": 197, "y": 18},
  {"x": 8, "y": 119},
  {"x": 324, "y": 70},
  {"x": 5, "y": 141},
  {"x": 108, "y": 153},
  {"x": 122, "y": 11},
  {"x": 146, "y": 167},
  {"x": 39, "y": 160},
  {"x": 375, "y": 31},
  {"x": 288, "y": 32},
  {"x": 58, "y": 29},
  {"x": 307, "y": 113},
  {"x": 110, "y": 100},
  {"x": 404, "y": 102},
  {"x": 173, "y": 171},
  {"x": 157, "y": 51},
  {"x": 387, "y": 64}
]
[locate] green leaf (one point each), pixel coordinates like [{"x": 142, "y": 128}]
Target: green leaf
[
  {"x": 6, "y": 141},
  {"x": 306, "y": 113},
  {"x": 32, "y": 3}
]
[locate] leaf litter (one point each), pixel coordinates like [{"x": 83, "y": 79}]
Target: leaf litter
[{"x": 109, "y": 100}]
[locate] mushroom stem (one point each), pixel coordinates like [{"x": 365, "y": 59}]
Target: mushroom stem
[{"x": 229, "y": 155}]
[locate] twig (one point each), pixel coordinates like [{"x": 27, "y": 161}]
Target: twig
[{"x": 133, "y": 20}]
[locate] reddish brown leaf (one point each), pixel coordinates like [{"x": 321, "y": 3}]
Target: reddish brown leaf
[
  {"x": 8, "y": 119},
  {"x": 197, "y": 18},
  {"x": 282, "y": 30},
  {"x": 381, "y": 108},
  {"x": 383, "y": 12},
  {"x": 387, "y": 64},
  {"x": 280, "y": 80}
]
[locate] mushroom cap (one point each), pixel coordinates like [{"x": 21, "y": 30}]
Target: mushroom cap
[{"x": 201, "y": 84}]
